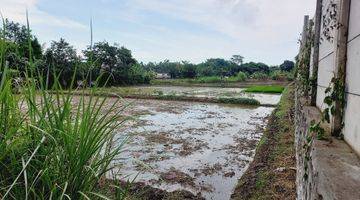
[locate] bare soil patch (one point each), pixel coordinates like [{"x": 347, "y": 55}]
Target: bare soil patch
[{"x": 142, "y": 191}]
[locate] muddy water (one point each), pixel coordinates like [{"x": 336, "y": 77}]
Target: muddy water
[
  {"x": 203, "y": 148},
  {"x": 272, "y": 99}
]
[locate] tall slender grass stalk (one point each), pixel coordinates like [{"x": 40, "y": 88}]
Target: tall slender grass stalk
[{"x": 53, "y": 145}]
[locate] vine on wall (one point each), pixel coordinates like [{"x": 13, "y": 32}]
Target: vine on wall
[
  {"x": 336, "y": 90},
  {"x": 303, "y": 60},
  {"x": 330, "y": 22},
  {"x": 335, "y": 99}
]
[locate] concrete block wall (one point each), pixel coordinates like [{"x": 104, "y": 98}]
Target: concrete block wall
[
  {"x": 325, "y": 170},
  {"x": 326, "y": 61},
  {"x": 331, "y": 169},
  {"x": 352, "y": 109},
  {"x": 326, "y": 70}
]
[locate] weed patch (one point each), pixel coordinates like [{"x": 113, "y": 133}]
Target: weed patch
[{"x": 266, "y": 89}]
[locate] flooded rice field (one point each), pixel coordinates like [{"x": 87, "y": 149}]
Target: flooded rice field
[
  {"x": 199, "y": 147},
  {"x": 271, "y": 99}
]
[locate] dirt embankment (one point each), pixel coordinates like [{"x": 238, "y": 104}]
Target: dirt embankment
[{"x": 272, "y": 174}]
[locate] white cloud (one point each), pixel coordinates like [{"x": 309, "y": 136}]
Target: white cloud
[
  {"x": 237, "y": 18},
  {"x": 265, "y": 30},
  {"x": 260, "y": 30},
  {"x": 16, "y": 11}
]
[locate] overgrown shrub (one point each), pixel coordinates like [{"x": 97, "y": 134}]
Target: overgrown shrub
[
  {"x": 241, "y": 76},
  {"x": 259, "y": 76},
  {"x": 280, "y": 75},
  {"x": 243, "y": 101},
  {"x": 209, "y": 79}
]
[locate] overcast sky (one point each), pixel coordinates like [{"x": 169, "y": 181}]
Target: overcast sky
[{"x": 192, "y": 30}]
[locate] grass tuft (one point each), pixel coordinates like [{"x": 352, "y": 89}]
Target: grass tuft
[
  {"x": 273, "y": 89},
  {"x": 242, "y": 101}
]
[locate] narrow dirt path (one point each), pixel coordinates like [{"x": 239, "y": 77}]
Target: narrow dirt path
[{"x": 272, "y": 174}]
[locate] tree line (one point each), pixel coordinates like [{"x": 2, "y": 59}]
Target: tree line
[
  {"x": 102, "y": 62},
  {"x": 219, "y": 67},
  {"x": 113, "y": 64}
]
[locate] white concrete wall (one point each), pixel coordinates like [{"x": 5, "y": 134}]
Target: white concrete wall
[
  {"x": 326, "y": 72},
  {"x": 311, "y": 63},
  {"x": 312, "y": 55},
  {"x": 326, "y": 62},
  {"x": 352, "y": 110}
]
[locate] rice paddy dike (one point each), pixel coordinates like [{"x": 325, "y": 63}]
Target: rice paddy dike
[{"x": 267, "y": 96}]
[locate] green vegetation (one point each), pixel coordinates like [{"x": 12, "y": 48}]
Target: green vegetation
[
  {"x": 281, "y": 75},
  {"x": 262, "y": 179},
  {"x": 243, "y": 101},
  {"x": 208, "y": 79},
  {"x": 240, "y": 77},
  {"x": 238, "y": 101},
  {"x": 55, "y": 145},
  {"x": 116, "y": 66},
  {"x": 265, "y": 89},
  {"x": 220, "y": 68},
  {"x": 52, "y": 146},
  {"x": 112, "y": 64},
  {"x": 275, "y": 75},
  {"x": 150, "y": 93},
  {"x": 261, "y": 142}
]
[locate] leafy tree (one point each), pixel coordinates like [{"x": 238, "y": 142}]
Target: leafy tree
[
  {"x": 137, "y": 74},
  {"x": 220, "y": 67},
  {"x": 237, "y": 59},
  {"x": 274, "y": 68},
  {"x": 18, "y": 53},
  {"x": 188, "y": 70},
  {"x": 62, "y": 60},
  {"x": 205, "y": 71},
  {"x": 211, "y": 67},
  {"x": 112, "y": 62},
  {"x": 253, "y": 67},
  {"x": 287, "y": 65},
  {"x": 174, "y": 69}
]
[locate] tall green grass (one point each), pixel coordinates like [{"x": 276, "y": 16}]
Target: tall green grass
[
  {"x": 53, "y": 145},
  {"x": 239, "y": 77},
  {"x": 273, "y": 89}
]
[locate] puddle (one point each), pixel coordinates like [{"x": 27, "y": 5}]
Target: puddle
[
  {"x": 202, "y": 148},
  {"x": 271, "y": 99}
]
